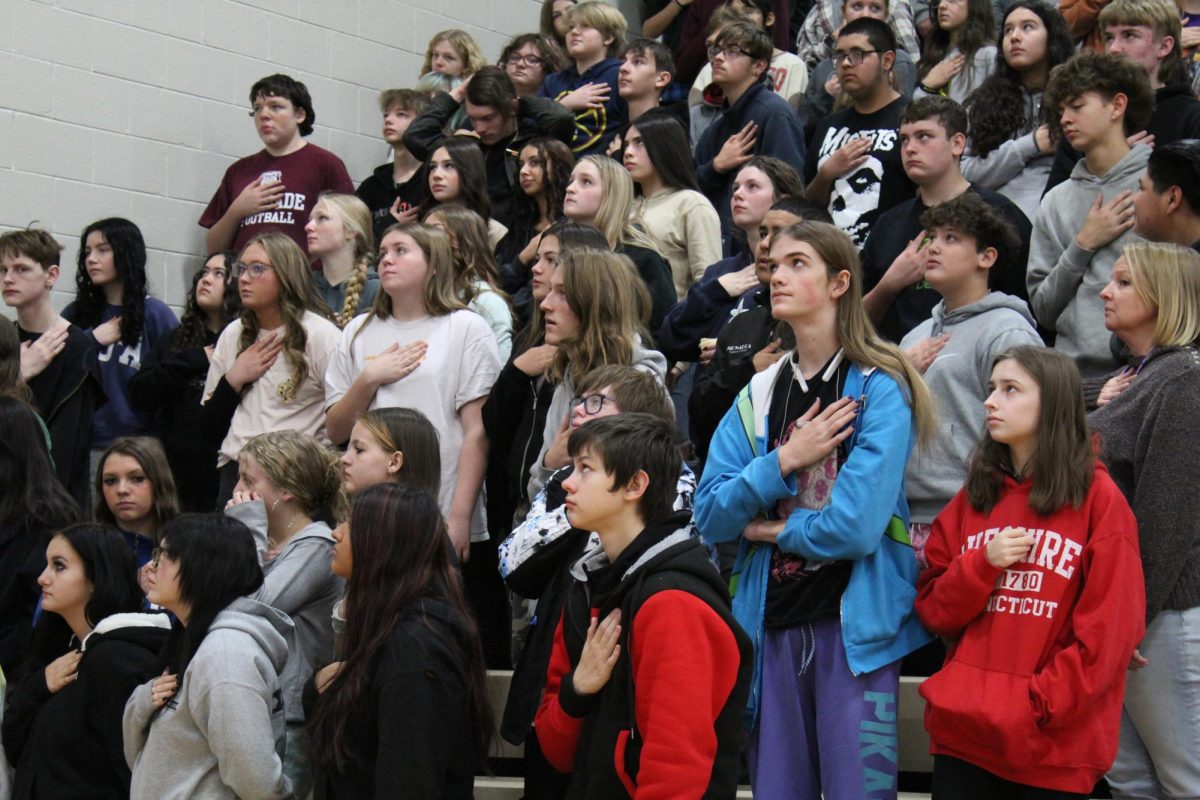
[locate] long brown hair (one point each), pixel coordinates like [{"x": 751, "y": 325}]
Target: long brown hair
[
  {"x": 297, "y": 294},
  {"x": 474, "y": 261},
  {"x": 1063, "y": 461},
  {"x": 613, "y": 306},
  {"x": 855, "y": 333},
  {"x": 402, "y": 560}
]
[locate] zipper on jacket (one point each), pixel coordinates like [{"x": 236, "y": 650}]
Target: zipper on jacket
[{"x": 528, "y": 441}]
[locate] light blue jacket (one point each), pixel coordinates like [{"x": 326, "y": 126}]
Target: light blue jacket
[{"x": 866, "y": 520}]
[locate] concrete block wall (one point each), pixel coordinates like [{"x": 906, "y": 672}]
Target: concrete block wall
[{"x": 136, "y": 107}]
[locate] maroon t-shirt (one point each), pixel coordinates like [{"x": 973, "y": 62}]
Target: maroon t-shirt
[{"x": 305, "y": 174}]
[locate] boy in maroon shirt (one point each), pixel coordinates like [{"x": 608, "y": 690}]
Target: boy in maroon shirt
[{"x": 274, "y": 189}]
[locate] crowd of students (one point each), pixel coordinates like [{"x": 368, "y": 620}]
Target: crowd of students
[{"x": 706, "y": 394}]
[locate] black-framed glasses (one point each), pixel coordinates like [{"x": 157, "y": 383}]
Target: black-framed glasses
[
  {"x": 852, "y": 57},
  {"x": 528, "y": 60},
  {"x": 732, "y": 51},
  {"x": 592, "y": 403},
  {"x": 256, "y": 269}
]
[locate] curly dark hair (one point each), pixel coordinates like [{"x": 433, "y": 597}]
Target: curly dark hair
[
  {"x": 998, "y": 108},
  {"x": 978, "y": 31},
  {"x": 1106, "y": 74},
  {"x": 129, "y": 258},
  {"x": 971, "y": 216},
  {"x": 557, "y": 161},
  {"x": 193, "y": 324}
]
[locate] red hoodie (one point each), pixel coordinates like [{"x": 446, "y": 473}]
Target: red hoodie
[{"x": 1035, "y": 666}]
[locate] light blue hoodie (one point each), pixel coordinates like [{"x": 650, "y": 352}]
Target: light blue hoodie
[{"x": 866, "y": 520}]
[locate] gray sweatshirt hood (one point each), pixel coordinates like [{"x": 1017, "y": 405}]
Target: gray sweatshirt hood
[
  {"x": 942, "y": 320},
  {"x": 271, "y": 630},
  {"x": 1130, "y": 166}
]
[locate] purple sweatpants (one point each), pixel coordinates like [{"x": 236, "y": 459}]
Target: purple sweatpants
[{"x": 820, "y": 729}]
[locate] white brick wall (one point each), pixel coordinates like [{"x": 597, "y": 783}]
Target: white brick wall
[{"x": 136, "y": 107}]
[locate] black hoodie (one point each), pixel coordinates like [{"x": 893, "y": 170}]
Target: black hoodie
[
  {"x": 680, "y": 649},
  {"x": 68, "y": 744}
]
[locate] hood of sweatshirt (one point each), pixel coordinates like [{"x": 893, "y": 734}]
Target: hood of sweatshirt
[
  {"x": 1129, "y": 167},
  {"x": 147, "y": 630},
  {"x": 649, "y": 360},
  {"x": 271, "y": 630},
  {"x": 943, "y": 319},
  {"x": 669, "y": 545}
]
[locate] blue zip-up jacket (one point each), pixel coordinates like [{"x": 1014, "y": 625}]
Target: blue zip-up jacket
[
  {"x": 701, "y": 313},
  {"x": 866, "y": 520},
  {"x": 594, "y": 127}
]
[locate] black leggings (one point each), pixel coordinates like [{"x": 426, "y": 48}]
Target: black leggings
[{"x": 955, "y": 779}]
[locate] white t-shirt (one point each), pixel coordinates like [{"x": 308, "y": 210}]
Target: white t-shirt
[
  {"x": 461, "y": 364},
  {"x": 261, "y": 409},
  {"x": 789, "y": 75}
]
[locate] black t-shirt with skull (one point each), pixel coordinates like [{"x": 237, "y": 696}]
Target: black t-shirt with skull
[{"x": 879, "y": 183}]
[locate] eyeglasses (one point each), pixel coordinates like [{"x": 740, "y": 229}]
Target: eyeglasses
[
  {"x": 592, "y": 403},
  {"x": 732, "y": 51},
  {"x": 256, "y": 270},
  {"x": 853, "y": 57},
  {"x": 157, "y": 553},
  {"x": 529, "y": 61}
]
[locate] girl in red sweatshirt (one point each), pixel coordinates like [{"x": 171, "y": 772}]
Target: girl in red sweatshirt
[{"x": 1035, "y": 582}]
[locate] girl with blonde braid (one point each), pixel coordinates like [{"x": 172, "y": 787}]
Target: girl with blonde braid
[
  {"x": 339, "y": 236},
  {"x": 267, "y": 370}
]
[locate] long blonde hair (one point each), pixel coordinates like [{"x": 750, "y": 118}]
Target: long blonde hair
[
  {"x": 356, "y": 219},
  {"x": 610, "y": 299},
  {"x": 855, "y": 333},
  {"x": 297, "y": 294},
  {"x": 614, "y": 216},
  {"x": 438, "y": 297},
  {"x": 1167, "y": 279}
]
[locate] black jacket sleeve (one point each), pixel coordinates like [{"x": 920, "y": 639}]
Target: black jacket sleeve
[
  {"x": 716, "y": 387},
  {"x": 427, "y": 130},
  {"x": 165, "y": 375},
  {"x": 657, "y": 275},
  {"x": 511, "y": 397},
  {"x": 698, "y": 315},
  {"x": 217, "y": 413},
  {"x": 1065, "y": 159},
  {"x": 25, "y": 700},
  {"x": 550, "y": 117}
]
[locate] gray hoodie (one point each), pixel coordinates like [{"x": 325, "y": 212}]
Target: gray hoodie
[
  {"x": 651, "y": 361},
  {"x": 222, "y": 735},
  {"x": 958, "y": 379},
  {"x": 299, "y": 583},
  {"x": 1064, "y": 279}
]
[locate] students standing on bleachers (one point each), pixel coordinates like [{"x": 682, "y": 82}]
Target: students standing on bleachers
[
  {"x": 57, "y": 359},
  {"x": 853, "y": 163},
  {"x": 806, "y": 473},
  {"x": 405, "y": 711},
  {"x": 398, "y": 186},
  {"x": 267, "y": 371},
  {"x": 112, "y": 303},
  {"x": 959, "y": 54},
  {"x": 274, "y": 189},
  {"x": 1034, "y": 580},
  {"x": 171, "y": 382},
  {"x": 1010, "y": 147}
]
